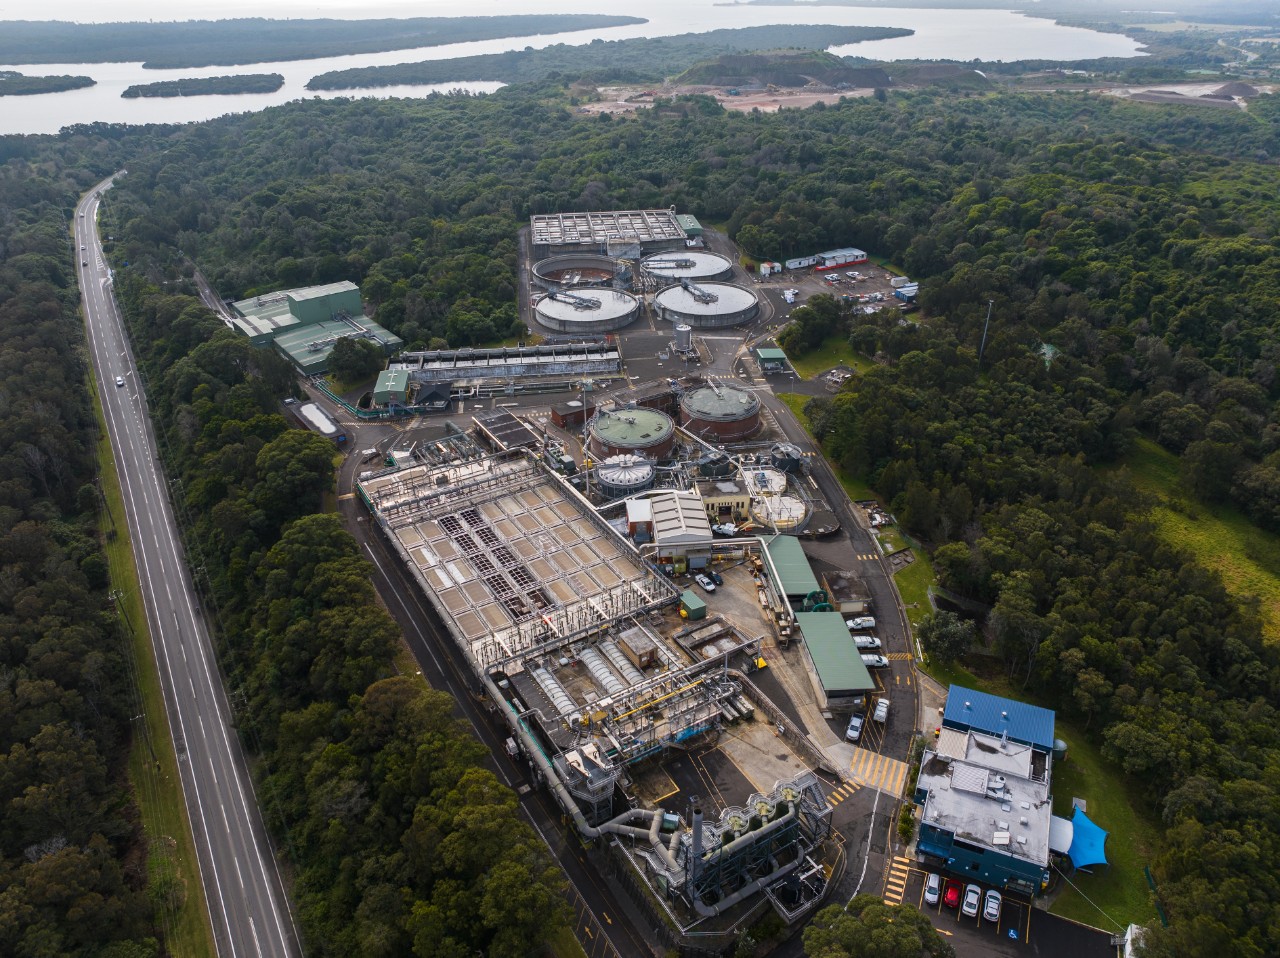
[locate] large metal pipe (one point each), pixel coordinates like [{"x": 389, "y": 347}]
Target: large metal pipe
[
  {"x": 695, "y": 865},
  {"x": 710, "y": 911},
  {"x": 616, "y": 825}
]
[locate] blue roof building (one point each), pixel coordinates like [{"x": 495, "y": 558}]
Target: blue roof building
[
  {"x": 984, "y": 792},
  {"x": 971, "y": 710}
]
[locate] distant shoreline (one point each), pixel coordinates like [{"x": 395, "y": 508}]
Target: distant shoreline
[
  {"x": 239, "y": 42},
  {"x": 209, "y": 86}
]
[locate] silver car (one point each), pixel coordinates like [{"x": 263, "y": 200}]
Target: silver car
[
  {"x": 991, "y": 905},
  {"x": 932, "y": 888},
  {"x": 972, "y": 898},
  {"x": 866, "y": 643},
  {"x": 873, "y": 661}
]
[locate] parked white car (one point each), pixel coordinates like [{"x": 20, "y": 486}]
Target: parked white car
[
  {"x": 932, "y": 888},
  {"x": 866, "y": 643},
  {"x": 860, "y": 623},
  {"x": 881, "y": 714},
  {"x": 872, "y": 661}
]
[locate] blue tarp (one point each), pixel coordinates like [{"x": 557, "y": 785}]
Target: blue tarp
[{"x": 1088, "y": 844}]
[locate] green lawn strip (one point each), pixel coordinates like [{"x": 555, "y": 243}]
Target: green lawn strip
[
  {"x": 796, "y": 403},
  {"x": 913, "y": 582},
  {"x": 563, "y": 944},
  {"x": 1220, "y": 536},
  {"x": 172, "y": 867},
  {"x": 834, "y": 351}
]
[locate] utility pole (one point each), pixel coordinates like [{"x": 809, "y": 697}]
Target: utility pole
[{"x": 982, "y": 347}]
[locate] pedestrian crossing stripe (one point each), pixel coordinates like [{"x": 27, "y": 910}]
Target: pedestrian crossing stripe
[
  {"x": 868, "y": 557},
  {"x": 895, "y": 885},
  {"x": 878, "y": 771},
  {"x": 838, "y": 795}
]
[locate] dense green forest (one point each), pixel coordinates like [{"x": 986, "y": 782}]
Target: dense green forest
[
  {"x": 72, "y": 856},
  {"x": 642, "y": 60},
  {"x": 13, "y": 83},
  {"x": 203, "y": 43},
  {"x": 1138, "y": 243},
  {"x": 205, "y": 86}
]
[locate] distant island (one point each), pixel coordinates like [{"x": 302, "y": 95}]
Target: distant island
[
  {"x": 635, "y": 60},
  {"x": 206, "y": 86},
  {"x": 13, "y": 83},
  {"x": 204, "y": 43}
]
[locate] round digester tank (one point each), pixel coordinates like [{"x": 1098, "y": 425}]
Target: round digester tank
[
  {"x": 574, "y": 270},
  {"x": 684, "y": 338},
  {"x": 707, "y": 305},
  {"x": 586, "y": 311},
  {"x": 641, "y": 431},
  {"x": 718, "y": 412},
  {"x": 696, "y": 265},
  {"x": 626, "y": 475},
  {"x": 786, "y": 456}
]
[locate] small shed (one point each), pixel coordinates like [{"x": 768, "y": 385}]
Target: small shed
[
  {"x": 795, "y": 576},
  {"x": 392, "y": 387},
  {"x": 772, "y": 360},
  {"x": 692, "y": 606},
  {"x": 689, "y": 224}
]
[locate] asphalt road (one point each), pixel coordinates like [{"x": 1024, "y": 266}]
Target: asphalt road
[{"x": 242, "y": 888}]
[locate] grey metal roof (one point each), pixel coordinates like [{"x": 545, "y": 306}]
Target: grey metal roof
[
  {"x": 840, "y": 668},
  {"x": 971, "y": 709},
  {"x": 720, "y": 402}
]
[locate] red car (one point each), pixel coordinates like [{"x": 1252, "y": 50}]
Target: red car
[{"x": 951, "y": 894}]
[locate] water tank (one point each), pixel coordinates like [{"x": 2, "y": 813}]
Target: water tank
[
  {"x": 684, "y": 338},
  {"x": 624, "y": 475},
  {"x": 786, "y": 456},
  {"x": 720, "y": 412},
  {"x": 707, "y": 305},
  {"x": 1059, "y": 750},
  {"x": 637, "y": 430}
]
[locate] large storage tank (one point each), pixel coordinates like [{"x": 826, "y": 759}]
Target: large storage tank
[
  {"x": 720, "y": 413},
  {"x": 625, "y": 475},
  {"x": 684, "y": 338},
  {"x": 586, "y": 311},
  {"x": 574, "y": 270},
  {"x": 641, "y": 431},
  {"x": 696, "y": 265},
  {"x": 707, "y": 305},
  {"x": 786, "y": 456}
]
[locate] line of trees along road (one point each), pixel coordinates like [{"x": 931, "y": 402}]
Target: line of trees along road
[{"x": 1138, "y": 243}]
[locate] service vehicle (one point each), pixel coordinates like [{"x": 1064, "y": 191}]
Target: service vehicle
[
  {"x": 873, "y": 661},
  {"x": 881, "y": 714},
  {"x": 707, "y": 584},
  {"x": 860, "y": 623},
  {"x": 866, "y": 643}
]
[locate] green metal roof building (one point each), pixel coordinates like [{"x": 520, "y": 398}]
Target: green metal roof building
[
  {"x": 392, "y": 386},
  {"x": 308, "y": 347},
  {"x": 304, "y": 323},
  {"x": 771, "y": 358},
  {"x": 795, "y": 577},
  {"x": 689, "y": 224},
  {"x": 836, "y": 661}
]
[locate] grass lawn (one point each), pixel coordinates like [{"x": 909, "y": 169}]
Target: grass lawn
[
  {"x": 172, "y": 868},
  {"x": 834, "y": 351},
  {"x": 891, "y": 540},
  {"x": 564, "y": 945},
  {"x": 1120, "y": 890},
  {"x": 913, "y": 585},
  {"x": 1221, "y": 537},
  {"x": 795, "y": 402}
]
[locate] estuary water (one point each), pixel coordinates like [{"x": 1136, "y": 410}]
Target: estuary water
[{"x": 939, "y": 34}]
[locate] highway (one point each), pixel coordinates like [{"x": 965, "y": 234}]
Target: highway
[{"x": 242, "y": 887}]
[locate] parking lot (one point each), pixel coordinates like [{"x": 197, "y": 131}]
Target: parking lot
[{"x": 1020, "y": 931}]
